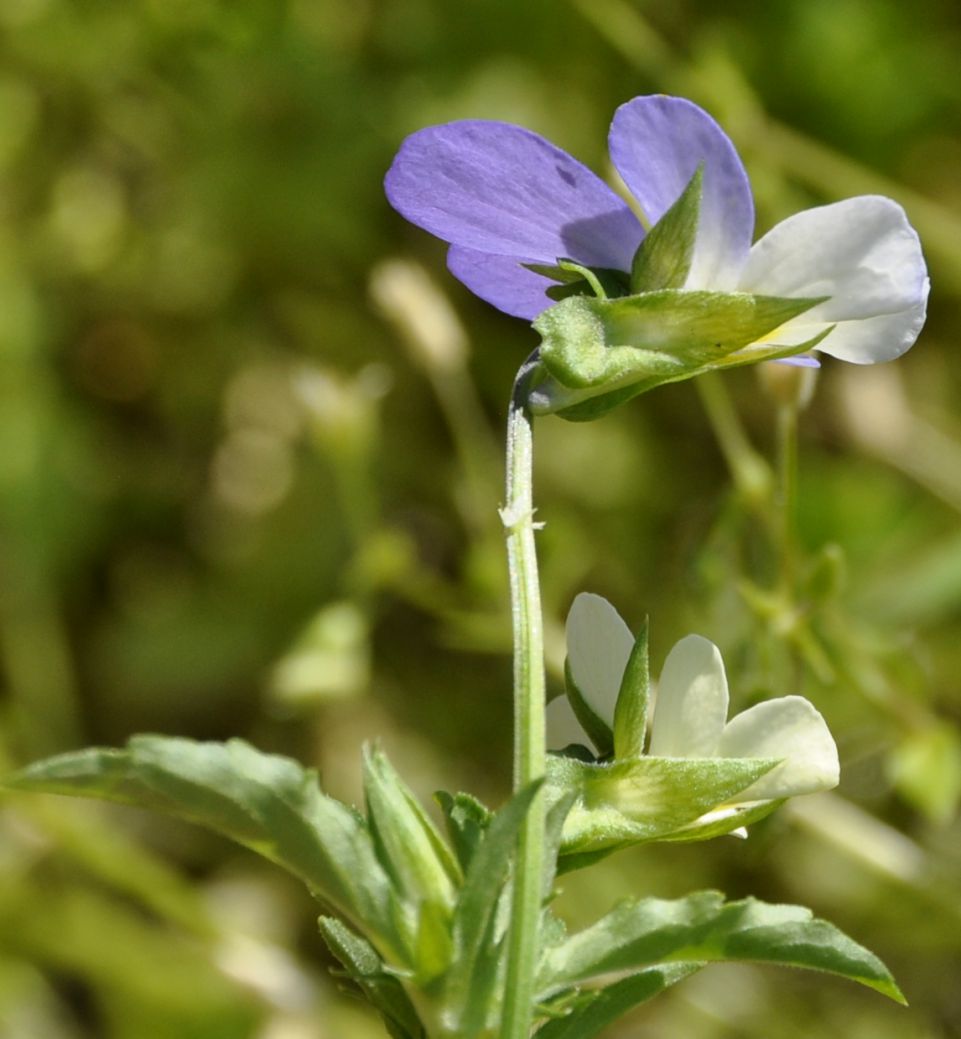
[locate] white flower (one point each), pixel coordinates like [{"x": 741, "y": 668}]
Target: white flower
[{"x": 690, "y": 716}]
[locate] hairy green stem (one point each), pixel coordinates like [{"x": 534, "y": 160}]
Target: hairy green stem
[{"x": 529, "y": 740}]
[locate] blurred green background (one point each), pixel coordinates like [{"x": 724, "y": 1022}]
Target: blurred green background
[{"x": 250, "y": 464}]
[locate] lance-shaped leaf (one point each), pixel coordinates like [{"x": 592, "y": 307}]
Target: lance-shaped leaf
[
  {"x": 590, "y": 1012},
  {"x": 367, "y": 970},
  {"x": 423, "y": 869},
  {"x": 266, "y": 802},
  {"x": 702, "y": 928},
  {"x": 599, "y": 352}
]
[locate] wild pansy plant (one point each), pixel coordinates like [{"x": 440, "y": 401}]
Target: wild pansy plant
[{"x": 453, "y": 934}]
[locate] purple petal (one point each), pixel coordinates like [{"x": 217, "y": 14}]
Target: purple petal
[
  {"x": 656, "y": 143},
  {"x": 497, "y": 188},
  {"x": 799, "y": 361},
  {"x": 501, "y": 281}
]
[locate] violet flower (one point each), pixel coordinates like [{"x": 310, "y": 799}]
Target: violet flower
[{"x": 506, "y": 199}]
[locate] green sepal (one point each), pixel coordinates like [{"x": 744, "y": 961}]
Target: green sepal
[
  {"x": 725, "y": 821},
  {"x": 597, "y": 728},
  {"x": 633, "y": 801},
  {"x": 367, "y": 970},
  {"x": 597, "y": 353},
  {"x": 574, "y": 279},
  {"x": 591, "y": 342},
  {"x": 630, "y": 711},
  {"x": 663, "y": 259},
  {"x": 704, "y": 928},
  {"x": 588, "y": 1013},
  {"x": 268, "y": 803}
]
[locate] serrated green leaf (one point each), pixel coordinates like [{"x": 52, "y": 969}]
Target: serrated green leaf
[
  {"x": 471, "y": 988},
  {"x": 663, "y": 259},
  {"x": 366, "y": 969},
  {"x": 268, "y": 803},
  {"x": 630, "y": 711},
  {"x": 591, "y": 1012},
  {"x": 627, "y": 802},
  {"x": 703, "y": 928},
  {"x": 597, "y": 728},
  {"x": 466, "y": 819}
]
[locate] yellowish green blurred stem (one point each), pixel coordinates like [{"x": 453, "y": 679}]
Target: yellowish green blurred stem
[
  {"x": 529, "y": 703},
  {"x": 36, "y": 655},
  {"x": 787, "y": 469},
  {"x": 750, "y": 472}
]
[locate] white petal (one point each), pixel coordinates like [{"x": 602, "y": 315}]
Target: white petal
[
  {"x": 563, "y": 728},
  {"x": 866, "y": 257},
  {"x": 859, "y": 341},
  {"x": 789, "y": 728},
  {"x": 599, "y": 644},
  {"x": 691, "y": 701}
]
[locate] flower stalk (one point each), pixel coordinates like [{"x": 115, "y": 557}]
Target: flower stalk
[{"x": 517, "y": 516}]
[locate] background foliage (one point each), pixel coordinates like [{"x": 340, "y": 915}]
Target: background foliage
[{"x": 239, "y": 496}]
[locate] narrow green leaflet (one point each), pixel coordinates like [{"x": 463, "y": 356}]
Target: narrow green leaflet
[
  {"x": 592, "y": 1011},
  {"x": 471, "y": 992},
  {"x": 366, "y": 969},
  {"x": 703, "y": 927},
  {"x": 268, "y": 803},
  {"x": 598, "y": 353},
  {"x": 663, "y": 259}
]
